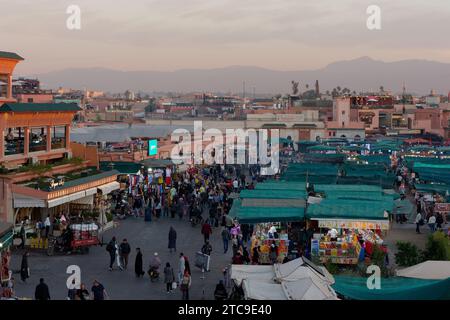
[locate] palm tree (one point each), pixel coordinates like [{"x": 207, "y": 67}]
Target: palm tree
[{"x": 338, "y": 88}]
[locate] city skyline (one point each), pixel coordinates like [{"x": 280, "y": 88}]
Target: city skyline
[{"x": 168, "y": 36}]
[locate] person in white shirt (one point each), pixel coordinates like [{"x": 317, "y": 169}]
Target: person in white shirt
[
  {"x": 417, "y": 221},
  {"x": 236, "y": 185},
  {"x": 432, "y": 223},
  {"x": 47, "y": 225},
  {"x": 333, "y": 234}
]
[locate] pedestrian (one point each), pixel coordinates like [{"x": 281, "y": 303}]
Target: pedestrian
[
  {"x": 42, "y": 292},
  {"x": 138, "y": 264},
  {"x": 125, "y": 250},
  {"x": 98, "y": 291},
  {"x": 419, "y": 222},
  {"x": 225, "y": 239},
  {"x": 182, "y": 267},
  {"x": 172, "y": 240},
  {"x": 23, "y": 236},
  {"x": 169, "y": 277},
  {"x": 207, "y": 248},
  {"x": 111, "y": 248},
  {"x": 24, "y": 269},
  {"x": 47, "y": 225},
  {"x": 432, "y": 223},
  {"x": 72, "y": 292},
  {"x": 439, "y": 221},
  {"x": 206, "y": 231},
  {"x": 186, "y": 282},
  {"x": 82, "y": 293},
  {"x": 255, "y": 255}
]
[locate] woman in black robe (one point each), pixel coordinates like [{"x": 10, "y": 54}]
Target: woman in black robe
[
  {"x": 138, "y": 264},
  {"x": 24, "y": 272}
]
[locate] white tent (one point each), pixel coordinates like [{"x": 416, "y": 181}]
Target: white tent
[
  {"x": 432, "y": 270},
  {"x": 299, "y": 279}
]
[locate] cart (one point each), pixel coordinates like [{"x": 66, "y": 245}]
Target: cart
[{"x": 78, "y": 238}]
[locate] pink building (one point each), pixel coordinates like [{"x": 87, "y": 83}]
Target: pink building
[{"x": 35, "y": 98}]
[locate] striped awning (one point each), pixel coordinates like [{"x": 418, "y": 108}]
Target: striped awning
[
  {"x": 22, "y": 201},
  {"x": 109, "y": 187}
]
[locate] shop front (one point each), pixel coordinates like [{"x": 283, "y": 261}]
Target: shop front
[
  {"x": 6, "y": 239},
  {"x": 76, "y": 201}
]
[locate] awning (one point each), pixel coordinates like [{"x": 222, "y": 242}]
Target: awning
[
  {"x": 109, "y": 187},
  {"x": 72, "y": 197},
  {"x": 22, "y": 201},
  {"x": 91, "y": 191},
  {"x": 85, "y": 200}
]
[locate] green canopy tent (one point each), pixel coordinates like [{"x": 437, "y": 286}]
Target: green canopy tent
[
  {"x": 272, "y": 194},
  {"x": 281, "y": 185},
  {"x": 269, "y": 214},
  {"x": 321, "y": 148},
  {"x": 350, "y": 209},
  {"x": 394, "y": 288}
]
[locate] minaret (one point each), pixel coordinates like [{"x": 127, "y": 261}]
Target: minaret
[{"x": 317, "y": 89}]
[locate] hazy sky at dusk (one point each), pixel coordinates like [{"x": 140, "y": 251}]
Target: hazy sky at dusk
[{"x": 179, "y": 34}]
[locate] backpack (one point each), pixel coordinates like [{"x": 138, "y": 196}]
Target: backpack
[{"x": 109, "y": 247}]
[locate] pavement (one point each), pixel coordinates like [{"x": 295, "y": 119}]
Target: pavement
[{"x": 123, "y": 285}]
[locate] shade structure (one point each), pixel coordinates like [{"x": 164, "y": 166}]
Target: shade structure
[
  {"x": 433, "y": 188},
  {"x": 350, "y": 209},
  {"x": 432, "y": 270},
  {"x": 273, "y": 194},
  {"x": 321, "y": 148},
  {"x": 269, "y": 214},
  {"x": 295, "y": 280},
  {"x": 394, "y": 288},
  {"x": 376, "y": 159},
  {"x": 281, "y": 185}
]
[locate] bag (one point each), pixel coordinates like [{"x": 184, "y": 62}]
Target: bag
[
  {"x": 421, "y": 222},
  {"x": 109, "y": 247},
  {"x": 174, "y": 285}
]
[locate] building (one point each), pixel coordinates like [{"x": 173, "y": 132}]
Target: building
[{"x": 8, "y": 62}]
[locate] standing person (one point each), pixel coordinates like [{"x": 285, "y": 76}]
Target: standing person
[
  {"x": 98, "y": 291},
  {"x": 111, "y": 248},
  {"x": 82, "y": 293},
  {"x": 182, "y": 267},
  {"x": 169, "y": 277},
  {"x": 432, "y": 223},
  {"x": 24, "y": 269},
  {"x": 23, "y": 235},
  {"x": 186, "y": 282},
  {"x": 47, "y": 225},
  {"x": 118, "y": 256},
  {"x": 138, "y": 264},
  {"x": 418, "y": 222},
  {"x": 439, "y": 221},
  {"x": 206, "y": 231},
  {"x": 207, "y": 248},
  {"x": 42, "y": 292},
  {"x": 225, "y": 239},
  {"x": 125, "y": 250},
  {"x": 172, "y": 240},
  {"x": 72, "y": 292}
]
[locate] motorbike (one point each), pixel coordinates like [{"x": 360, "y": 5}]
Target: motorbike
[
  {"x": 58, "y": 245},
  {"x": 153, "y": 273}
]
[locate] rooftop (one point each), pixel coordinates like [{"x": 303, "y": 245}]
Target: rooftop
[
  {"x": 10, "y": 55},
  {"x": 39, "y": 107}
]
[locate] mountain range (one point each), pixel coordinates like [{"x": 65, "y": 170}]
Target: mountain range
[{"x": 362, "y": 74}]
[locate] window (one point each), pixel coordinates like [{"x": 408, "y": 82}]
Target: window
[
  {"x": 3, "y": 85},
  {"x": 357, "y": 137},
  {"x": 14, "y": 141},
  {"x": 30, "y": 100},
  {"x": 58, "y": 135},
  {"x": 38, "y": 139}
]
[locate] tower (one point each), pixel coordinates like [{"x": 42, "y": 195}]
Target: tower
[{"x": 317, "y": 89}]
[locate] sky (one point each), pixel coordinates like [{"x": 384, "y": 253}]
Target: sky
[{"x": 168, "y": 35}]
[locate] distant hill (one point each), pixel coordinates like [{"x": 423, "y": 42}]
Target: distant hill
[{"x": 359, "y": 74}]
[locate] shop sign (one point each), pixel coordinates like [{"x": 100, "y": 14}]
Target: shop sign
[
  {"x": 442, "y": 207},
  {"x": 350, "y": 224}
]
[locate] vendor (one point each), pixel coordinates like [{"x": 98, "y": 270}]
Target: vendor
[
  {"x": 273, "y": 234},
  {"x": 333, "y": 234}
]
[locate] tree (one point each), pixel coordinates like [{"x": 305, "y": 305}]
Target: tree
[
  {"x": 327, "y": 92},
  {"x": 151, "y": 107},
  {"x": 407, "y": 254},
  {"x": 338, "y": 88},
  {"x": 307, "y": 86},
  {"x": 437, "y": 247}
]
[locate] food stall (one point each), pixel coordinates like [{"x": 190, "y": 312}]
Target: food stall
[{"x": 344, "y": 225}]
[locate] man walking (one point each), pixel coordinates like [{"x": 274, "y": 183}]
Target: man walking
[
  {"x": 47, "y": 225},
  {"x": 42, "y": 292},
  {"x": 125, "y": 250},
  {"x": 172, "y": 240},
  {"x": 98, "y": 291},
  {"x": 206, "y": 231},
  {"x": 418, "y": 221},
  {"x": 111, "y": 248},
  {"x": 182, "y": 267},
  {"x": 138, "y": 264},
  {"x": 225, "y": 239}
]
